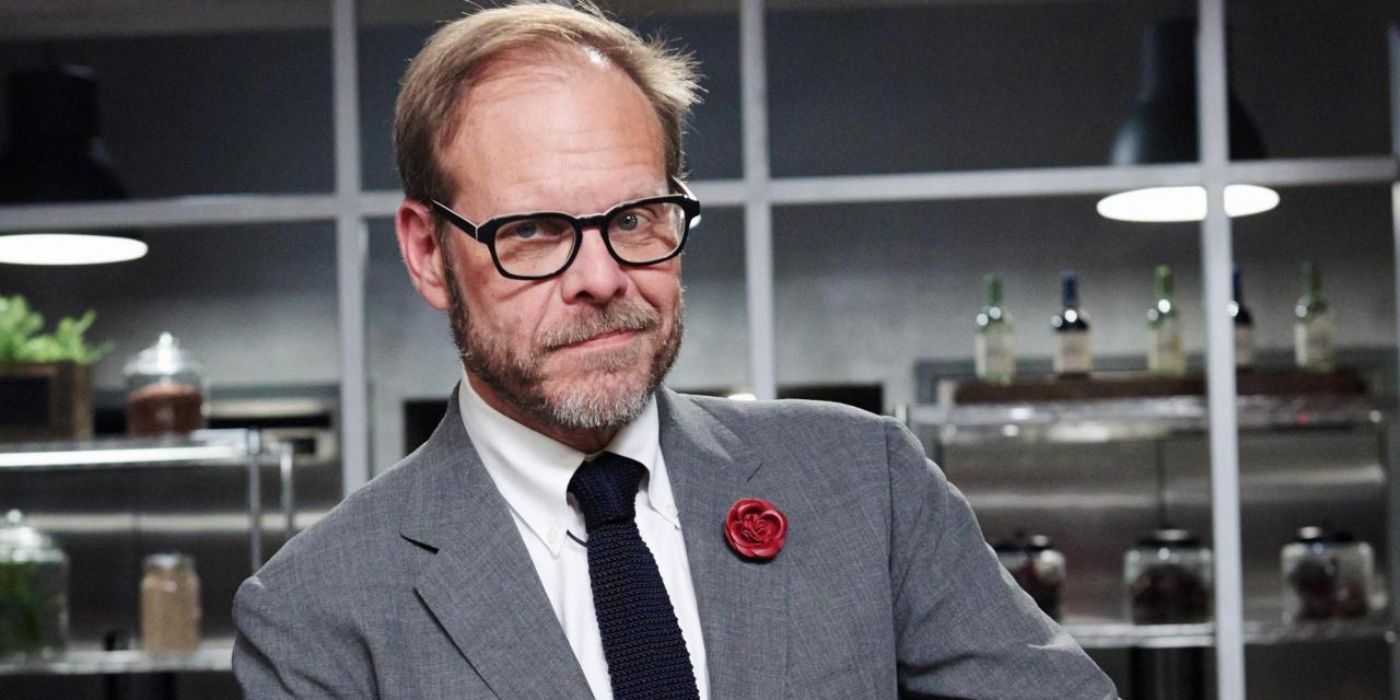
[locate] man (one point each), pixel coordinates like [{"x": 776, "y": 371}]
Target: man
[{"x": 571, "y": 528}]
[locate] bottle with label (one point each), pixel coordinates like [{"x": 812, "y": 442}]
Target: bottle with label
[
  {"x": 1244, "y": 326},
  {"x": 996, "y": 352},
  {"x": 1165, "y": 355},
  {"x": 1073, "y": 357},
  {"x": 1312, "y": 325}
]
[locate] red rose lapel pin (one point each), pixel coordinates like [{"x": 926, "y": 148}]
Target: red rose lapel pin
[{"x": 755, "y": 528}]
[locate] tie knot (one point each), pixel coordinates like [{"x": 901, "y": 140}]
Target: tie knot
[{"x": 606, "y": 489}]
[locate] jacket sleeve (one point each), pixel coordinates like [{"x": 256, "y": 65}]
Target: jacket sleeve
[
  {"x": 964, "y": 629},
  {"x": 288, "y": 647}
]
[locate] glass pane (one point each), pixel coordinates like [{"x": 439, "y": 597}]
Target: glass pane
[
  {"x": 1313, "y": 74},
  {"x": 206, "y": 113},
  {"x": 413, "y": 364},
  {"x": 255, "y": 304},
  {"x": 714, "y": 354},
  {"x": 952, "y": 86},
  {"x": 713, "y": 141},
  {"x": 1346, "y": 230},
  {"x": 409, "y": 351},
  {"x": 1326, "y": 461},
  {"x": 911, "y": 274},
  {"x": 907, "y": 279}
]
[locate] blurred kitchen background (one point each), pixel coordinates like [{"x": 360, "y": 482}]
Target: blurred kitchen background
[{"x": 915, "y": 147}]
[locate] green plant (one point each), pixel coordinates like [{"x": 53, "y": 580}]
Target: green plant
[
  {"x": 21, "y": 626},
  {"x": 20, "y": 342}
]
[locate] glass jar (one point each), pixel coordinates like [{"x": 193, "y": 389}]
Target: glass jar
[
  {"x": 1168, "y": 575},
  {"x": 33, "y": 590},
  {"x": 1326, "y": 575},
  {"x": 170, "y": 610},
  {"x": 165, "y": 390},
  {"x": 1037, "y": 566}
]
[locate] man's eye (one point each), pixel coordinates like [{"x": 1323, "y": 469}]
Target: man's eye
[
  {"x": 535, "y": 229},
  {"x": 523, "y": 230},
  {"x": 631, "y": 220}
]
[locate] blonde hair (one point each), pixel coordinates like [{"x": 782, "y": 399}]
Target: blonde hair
[{"x": 439, "y": 79}]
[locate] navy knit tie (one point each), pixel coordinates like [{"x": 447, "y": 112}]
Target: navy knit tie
[{"x": 647, "y": 657}]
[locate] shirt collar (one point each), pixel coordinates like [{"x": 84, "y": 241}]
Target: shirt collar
[{"x": 532, "y": 471}]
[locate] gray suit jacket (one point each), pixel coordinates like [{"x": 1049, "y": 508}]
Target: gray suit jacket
[{"x": 418, "y": 586}]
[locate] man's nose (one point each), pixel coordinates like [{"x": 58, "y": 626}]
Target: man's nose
[{"x": 595, "y": 274}]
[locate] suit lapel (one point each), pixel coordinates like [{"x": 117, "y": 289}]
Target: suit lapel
[
  {"x": 481, "y": 585},
  {"x": 743, "y": 604}
]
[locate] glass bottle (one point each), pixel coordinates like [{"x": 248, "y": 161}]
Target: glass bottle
[
  {"x": 1165, "y": 355},
  {"x": 1312, "y": 327},
  {"x": 1244, "y": 325},
  {"x": 1073, "y": 356},
  {"x": 33, "y": 590},
  {"x": 170, "y": 609},
  {"x": 995, "y": 355},
  {"x": 165, "y": 390}
]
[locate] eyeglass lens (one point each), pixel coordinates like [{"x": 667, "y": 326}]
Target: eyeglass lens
[{"x": 542, "y": 245}]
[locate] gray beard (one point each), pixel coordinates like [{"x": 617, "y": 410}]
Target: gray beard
[{"x": 518, "y": 378}]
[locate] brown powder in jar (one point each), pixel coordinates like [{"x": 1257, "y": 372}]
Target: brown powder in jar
[
  {"x": 164, "y": 407},
  {"x": 170, "y": 610}
]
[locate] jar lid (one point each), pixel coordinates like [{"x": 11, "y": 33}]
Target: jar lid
[
  {"x": 166, "y": 357},
  {"x": 169, "y": 561},
  {"x": 1021, "y": 542},
  {"x": 1171, "y": 538},
  {"x": 15, "y": 535},
  {"x": 1323, "y": 534}
]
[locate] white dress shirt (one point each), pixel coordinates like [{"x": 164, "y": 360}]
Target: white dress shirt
[{"x": 532, "y": 472}]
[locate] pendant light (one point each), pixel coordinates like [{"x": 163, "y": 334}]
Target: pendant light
[
  {"x": 1163, "y": 129},
  {"x": 55, "y": 154}
]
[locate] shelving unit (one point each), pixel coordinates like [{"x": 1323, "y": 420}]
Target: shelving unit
[
  {"x": 1132, "y": 419},
  {"x": 1305, "y": 455},
  {"x": 349, "y": 206},
  {"x": 234, "y": 449}
]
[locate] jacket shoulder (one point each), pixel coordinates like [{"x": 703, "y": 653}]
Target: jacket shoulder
[
  {"x": 362, "y": 528},
  {"x": 799, "y": 411}
]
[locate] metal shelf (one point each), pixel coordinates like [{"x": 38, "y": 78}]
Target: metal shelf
[
  {"x": 238, "y": 448},
  {"x": 212, "y": 448},
  {"x": 1123, "y": 635},
  {"x": 216, "y": 656},
  {"x": 1110, "y": 420}
]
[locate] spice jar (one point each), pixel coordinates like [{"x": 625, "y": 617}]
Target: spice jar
[
  {"x": 1326, "y": 574},
  {"x": 170, "y": 609},
  {"x": 33, "y": 590},
  {"x": 1037, "y": 566},
  {"x": 1168, "y": 575},
  {"x": 165, "y": 390}
]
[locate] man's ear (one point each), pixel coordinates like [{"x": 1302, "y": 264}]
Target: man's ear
[{"x": 418, "y": 244}]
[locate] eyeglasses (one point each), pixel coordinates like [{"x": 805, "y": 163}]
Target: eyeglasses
[{"x": 539, "y": 245}]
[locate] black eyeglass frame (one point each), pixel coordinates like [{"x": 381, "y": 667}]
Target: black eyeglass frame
[{"x": 485, "y": 232}]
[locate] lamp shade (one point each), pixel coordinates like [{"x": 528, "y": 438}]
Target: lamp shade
[
  {"x": 1162, "y": 127},
  {"x": 54, "y": 153}
]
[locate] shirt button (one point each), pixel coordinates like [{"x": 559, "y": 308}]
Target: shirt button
[
  {"x": 671, "y": 511},
  {"x": 553, "y": 535}
]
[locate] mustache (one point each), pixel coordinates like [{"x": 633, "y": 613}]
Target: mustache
[{"x": 616, "y": 317}]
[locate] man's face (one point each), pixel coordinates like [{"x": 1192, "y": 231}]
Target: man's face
[{"x": 586, "y": 348}]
